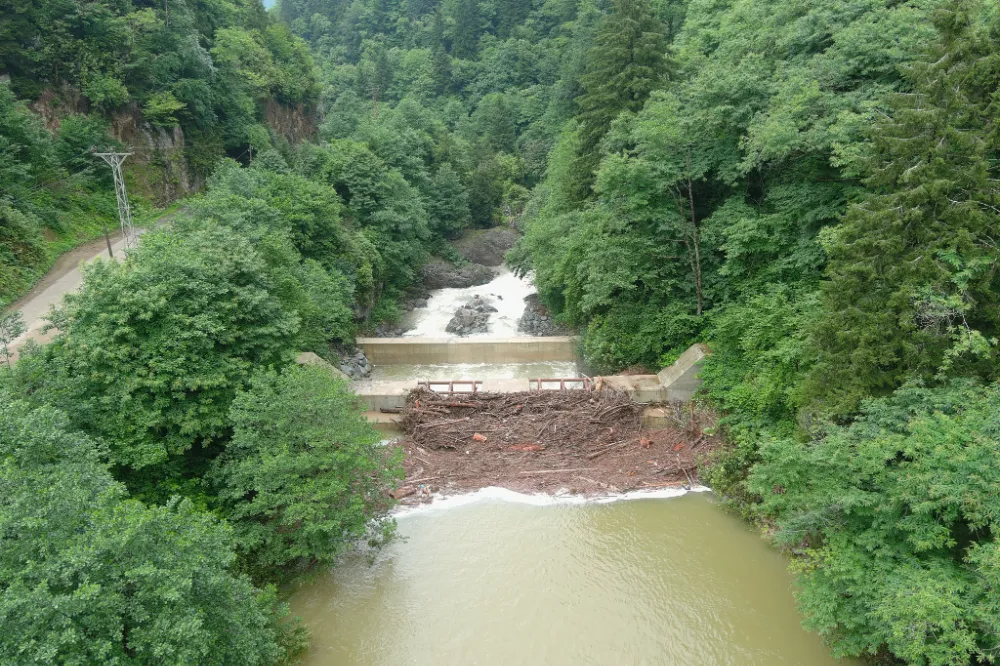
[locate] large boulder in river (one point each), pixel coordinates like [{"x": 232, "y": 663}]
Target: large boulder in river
[
  {"x": 442, "y": 275},
  {"x": 479, "y": 304},
  {"x": 468, "y": 321},
  {"x": 486, "y": 246},
  {"x": 473, "y": 317}
]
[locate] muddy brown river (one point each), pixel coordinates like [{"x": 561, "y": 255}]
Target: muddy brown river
[{"x": 500, "y": 583}]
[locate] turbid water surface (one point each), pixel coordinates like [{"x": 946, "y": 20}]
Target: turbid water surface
[{"x": 500, "y": 583}]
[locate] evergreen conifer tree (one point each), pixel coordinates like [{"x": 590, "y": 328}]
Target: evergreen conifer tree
[
  {"x": 912, "y": 276},
  {"x": 440, "y": 60},
  {"x": 510, "y": 14},
  {"x": 627, "y": 62},
  {"x": 466, "y": 37}
]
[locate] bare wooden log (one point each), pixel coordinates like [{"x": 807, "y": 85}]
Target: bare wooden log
[{"x": 556, "y": 471}]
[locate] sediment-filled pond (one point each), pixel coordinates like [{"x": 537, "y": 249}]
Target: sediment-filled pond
[{"x": 491, "y": 581}]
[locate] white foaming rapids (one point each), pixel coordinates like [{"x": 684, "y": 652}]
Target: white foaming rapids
[
  {"x": 493, "y": 493},
  {"x": 506, "y": 292}
]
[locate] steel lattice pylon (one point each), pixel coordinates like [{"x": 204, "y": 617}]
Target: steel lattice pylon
[{"x": 124, "y": 211}]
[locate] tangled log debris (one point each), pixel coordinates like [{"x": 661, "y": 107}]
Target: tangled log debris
[{"x": 586, "y": 442}]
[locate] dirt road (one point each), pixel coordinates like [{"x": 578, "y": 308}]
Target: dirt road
[{"x": 65, "y": 277}]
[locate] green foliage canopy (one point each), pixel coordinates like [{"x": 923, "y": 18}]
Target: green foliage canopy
[
  {"x": 913, "y": 280},
  {"x": 155, "y": 349},
  {"x": 88, "y": 575},
  {"x": 894, "y": 519},
  {"x": 305, "y": 475}
]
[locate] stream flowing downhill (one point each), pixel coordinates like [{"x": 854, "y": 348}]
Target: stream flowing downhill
[
  {"x": 506, "y": 292},
  {"x": 559, "y": 571}
]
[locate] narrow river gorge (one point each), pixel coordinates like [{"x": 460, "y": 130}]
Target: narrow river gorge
[{"x": 496, "y": 577}]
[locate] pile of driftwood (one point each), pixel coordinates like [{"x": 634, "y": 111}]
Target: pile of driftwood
[
  {"x": 556, "y": 419},
  {"x": 586, "y": 442}
]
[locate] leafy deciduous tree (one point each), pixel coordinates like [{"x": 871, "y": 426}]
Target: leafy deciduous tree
[{"x": 304, "y": 476}]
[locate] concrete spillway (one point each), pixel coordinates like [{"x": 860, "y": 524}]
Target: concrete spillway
[
  {"x": 431, "y": 351},
  {"x": 536, "y": 355}
]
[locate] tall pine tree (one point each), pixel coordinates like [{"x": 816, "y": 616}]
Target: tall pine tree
[
  {"x": 627, "y": 62},
  {"x": 913, "y": 280},
  {"x": 440, "y": 60},
  {"x": 510, "y": 14},
  {"x": 466, "y": 36}
]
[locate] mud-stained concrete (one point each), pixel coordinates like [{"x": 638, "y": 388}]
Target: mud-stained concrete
[{"x": 394, "y": 351}]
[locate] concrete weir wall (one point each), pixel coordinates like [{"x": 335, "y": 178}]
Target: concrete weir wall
[
  {"x": 394, "y": 351},
  {"x": 682, "y": 380},
  {"x": 677, "y": 383}
]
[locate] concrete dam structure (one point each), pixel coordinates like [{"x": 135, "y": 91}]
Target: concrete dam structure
[
  {"x": 434, "y": 351},
  {"x": 403, "y": 364}
]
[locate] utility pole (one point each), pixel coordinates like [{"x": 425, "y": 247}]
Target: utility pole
[
  {"x": 124, "y": 212},
  {"x": 107, "y": 239}
]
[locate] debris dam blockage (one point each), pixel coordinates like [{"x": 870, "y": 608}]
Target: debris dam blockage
[
  {"x": 588, "y": 443},
  {"x": 674, "y": 384}
]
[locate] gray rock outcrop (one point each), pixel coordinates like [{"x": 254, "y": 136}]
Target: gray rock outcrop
[
  {"x": 387, "y": 330},
  {"x": 537, "y": 320},
  {"x": 355, "y": 365},
  {"x": 473, "y": 317},
  {"x": 438, "y": 274},
  {"x": 486, "y": 246},
  {"x": 479, "y": 304}
]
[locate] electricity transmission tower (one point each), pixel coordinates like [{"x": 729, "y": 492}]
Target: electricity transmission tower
[{"x": 124, "y": 212}]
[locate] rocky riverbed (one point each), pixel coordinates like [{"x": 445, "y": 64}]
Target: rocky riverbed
[
  {"x": 439, "y": 305},
  {"x": 484, "y": 250},
  {"x": 537, "y": 320}
]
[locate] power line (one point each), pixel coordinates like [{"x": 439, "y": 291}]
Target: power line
[{"x": 115, "y": 160}]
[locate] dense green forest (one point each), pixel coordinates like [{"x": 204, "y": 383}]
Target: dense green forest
[
  {"x": 811, "y": 188},
  {"x": 179, "y": 84}
]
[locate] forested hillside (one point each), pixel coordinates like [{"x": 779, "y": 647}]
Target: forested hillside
[
  {"x": 810, "y": 188},
  {"x": 178, "y": 84}
]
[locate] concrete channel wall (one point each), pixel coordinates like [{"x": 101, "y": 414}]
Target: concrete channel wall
[
  {"x": 396, "y": 351},
  {"x": 682, "y": 379}
]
